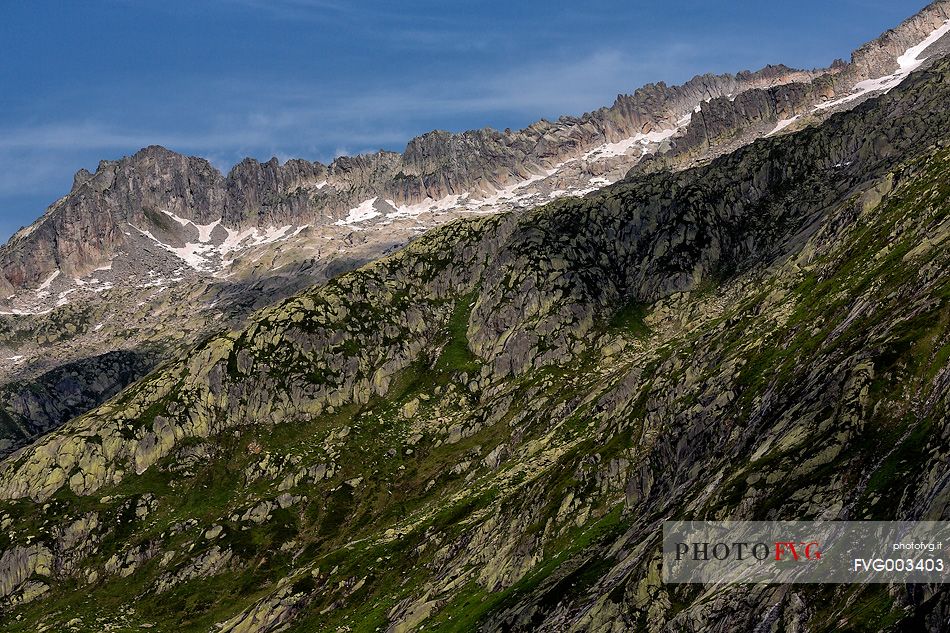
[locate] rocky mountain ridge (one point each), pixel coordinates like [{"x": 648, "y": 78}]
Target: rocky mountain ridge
[
  {"x": 483, "y": 430},
  {"x": 473, "y": 171},
  {"x": 156, "y": 250},
  {"x": 724, "y": 124}
]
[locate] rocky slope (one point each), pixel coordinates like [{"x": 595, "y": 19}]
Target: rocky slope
[
  {"x": 169, "y": 195},
  {"x": 33, "y": 407},
  {"x": 483, "y": 430},
  {"x": 160, "y": 317},
  {"x": 722, "y": 125},
  {"x": 175, "y": 198},
  {"x": 156, "y": 250}
]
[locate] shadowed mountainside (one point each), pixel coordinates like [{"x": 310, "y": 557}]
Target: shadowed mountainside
[{"x": 483, "y": 430}]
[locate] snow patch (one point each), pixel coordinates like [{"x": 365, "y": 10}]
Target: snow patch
[
  {"x": 62, "y": 299},
  {"x": 508, "y": 194},
  {"x": 365, "y": 211},
  {"x": 204, "y": 256},
  {"x": 195, "y": 255},
  {"x": 639, "y": 140},
  {"x": 908, "y": 62},
  {"x": 18, "y": 312},
  {"x": 49, "y": 280},
  {"x": 204, "y": 230},
  {"x": 428, "y": 205},
  {"x": 174, "y": 217},
  {"x": 620, "y": 148},
  {"x": 784, "y": 123}
]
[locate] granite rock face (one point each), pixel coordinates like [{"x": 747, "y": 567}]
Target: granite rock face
[
  {"x": 336, "y": 399},
  {"x": 31, "y": 407},
  {"x": 102, "y": 269},
  {"x": 84, "y": 230},
  {"x": 482, "y": 430},
  {"x": 89, "y": 276},
  {"x": 81, "y": 231},
  {"x": 723, "y": 124},
  {"x": 706, "y": 117}
]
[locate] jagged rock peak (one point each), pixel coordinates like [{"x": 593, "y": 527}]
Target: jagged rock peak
[{"x": 680, "y": 125}]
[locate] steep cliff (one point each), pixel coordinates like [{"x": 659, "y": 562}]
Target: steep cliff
[
  {"x": 157, "y": 250},
  {"x": 482, "y": 430},
  {"x": 168, "y": 196}
]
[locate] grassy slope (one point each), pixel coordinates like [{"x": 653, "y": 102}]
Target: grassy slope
[{"x": 400, "y": 466}]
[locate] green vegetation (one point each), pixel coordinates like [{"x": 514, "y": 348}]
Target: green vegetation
[
  {"x": 630, "y": 320},
  {"x": 349, "y": 459}
]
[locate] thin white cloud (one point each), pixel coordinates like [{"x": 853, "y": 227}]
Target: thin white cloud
[
  {"x": 31, "y": 173},
  {"x": 95, "y": 135},
  {"x": 312, "y": 122},
  {"x": 360, "y": 14},
  {"x": 535, "y": 90}
]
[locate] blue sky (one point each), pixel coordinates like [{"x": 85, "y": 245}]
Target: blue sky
[{"x": 224, "y": 79}]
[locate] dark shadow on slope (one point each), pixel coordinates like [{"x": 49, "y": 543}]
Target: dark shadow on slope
[{"x": 29, "y": 408}]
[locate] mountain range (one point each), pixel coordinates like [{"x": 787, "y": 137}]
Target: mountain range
[{"x": 459, "y": 388}]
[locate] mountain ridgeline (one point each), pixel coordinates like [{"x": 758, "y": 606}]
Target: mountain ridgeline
[
  {"x": 707, "y": 116},
  {"x": 156, "y": 252},
  {"x": 483, "y": 430}
]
